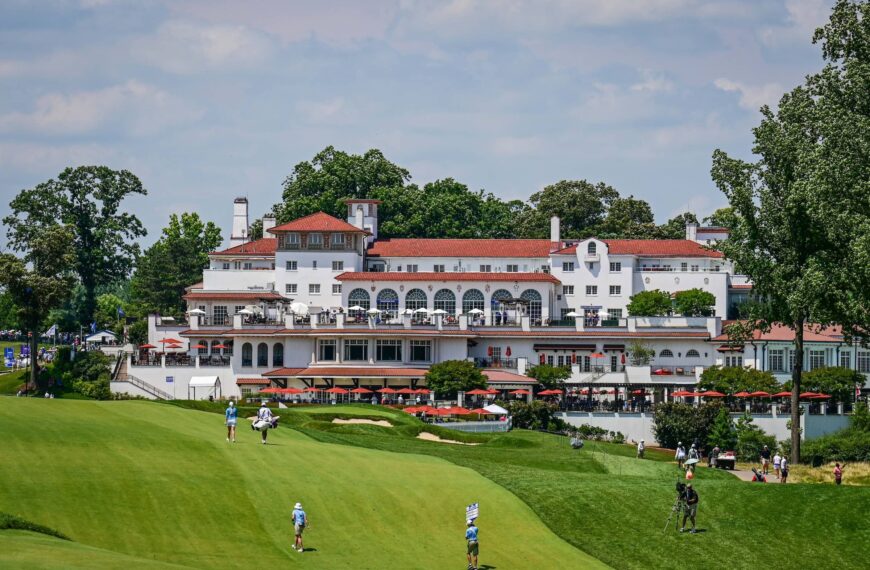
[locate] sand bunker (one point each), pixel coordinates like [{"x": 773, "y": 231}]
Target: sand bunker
[
  {"x": 432, "y": 437},
  {"x": 382, "y": 423}
]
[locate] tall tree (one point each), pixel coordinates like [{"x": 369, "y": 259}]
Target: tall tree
[
  {"x": 627, "y": 218},
  {"x": 581, "y": 205},
  {"x": 39, "y": 282},
  {"x": 675, "y": 228},
  {"x": 173, "y": 263},
  {"x": 802, "y": 231},
  {"x": 722, "y": 218},
  {"x": 87, "y": 200}
]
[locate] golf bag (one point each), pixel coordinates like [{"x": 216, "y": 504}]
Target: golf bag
[
  {"x": 576, "y": 443},
  {"x": 264, "y": 425},
  {"x": 758, "y": 477}
]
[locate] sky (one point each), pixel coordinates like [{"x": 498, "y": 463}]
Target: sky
[{"x": 207, "y": 100}]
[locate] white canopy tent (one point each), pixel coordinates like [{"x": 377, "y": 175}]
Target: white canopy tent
[
  {"x": 102, "y": 337},
  {"x": 211, "y": 385},
  {"x": 492, "y": 408}
]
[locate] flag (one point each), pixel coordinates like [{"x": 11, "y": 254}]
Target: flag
[
  {"x": 52, "y": 331},
  {"x": 121, "y": 312},
  {"x": 93, "y": 327}
]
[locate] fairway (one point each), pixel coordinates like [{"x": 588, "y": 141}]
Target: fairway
[{"x": 159, "y": 483}]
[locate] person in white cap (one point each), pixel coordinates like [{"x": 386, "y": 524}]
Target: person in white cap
[
  {"x": 300, "y": 521},
  {"x": 681, "y": 454},
  {"x": 640, "y": 449},
  {"x": 264, "y": 421}
]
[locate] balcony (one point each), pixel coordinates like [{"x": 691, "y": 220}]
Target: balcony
[{"x": 508, "y": 363}]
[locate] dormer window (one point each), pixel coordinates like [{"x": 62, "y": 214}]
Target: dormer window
[
  {"x": 292, "y": 241},
  {"x": 315, "y": 241},
  {"x": 337, "y": 241},
  {"x": 592, "y": 248}
]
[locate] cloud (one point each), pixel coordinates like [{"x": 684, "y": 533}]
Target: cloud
[
  {"x": 47, "y": 159},
  {"x": 802, "y": 19},
  {"x": 517, "y": 146},
  {"x": 752, "y": 97},
  {"x": 653, "y": 83},
  {"x": 326, "y": 111},
  {"x": 184, "y": 47},
  {"x": 133, "y": 107}
]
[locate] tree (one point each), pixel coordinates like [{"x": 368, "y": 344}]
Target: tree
[
  {"x": 838, "y": 382},
  {"x": 722, "y": 218},
  {"x": 628, "y": 218},
  {"x": 451, "y": 376},
  {"x": 39, "y": 282},
  {"x": 675, "y": 228},
  {"x": 675, "y": 422},
  {"x": 107, "y": 314},
  {"x": 550, "y": 376},
  {"x": 173, "y": 263},
  {"x": 581, "y": 205},
  {"x": 802, "y": 231},
  {"x": 695, "y": 303},
  {"x": 640, "y": 354},
  {"x": 722, "y": 432},
  {"x": 751, "y": 439},
  {"x": 86, "y": 200},
  {"x": 8, "y": 312},
  {"x": 535, "y": 415},
  {"x": 655, "y": 303},
  {"x": 732, "y": 379}
]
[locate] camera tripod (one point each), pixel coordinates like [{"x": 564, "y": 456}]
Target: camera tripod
[{"x": 677, "y": 508}]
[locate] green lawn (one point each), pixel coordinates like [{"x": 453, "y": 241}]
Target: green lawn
[{"x": 159, "y": 483}]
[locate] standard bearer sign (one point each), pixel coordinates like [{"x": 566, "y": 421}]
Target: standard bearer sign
[
  {"x": 472, "y": 511},
  {"x": 170, "y": 379}
]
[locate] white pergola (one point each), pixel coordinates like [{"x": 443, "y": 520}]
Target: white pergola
[{"x": 212, "y": 385}]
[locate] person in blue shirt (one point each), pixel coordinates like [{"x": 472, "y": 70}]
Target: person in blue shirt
[
  {"x": 300, "y": 521},
  {"x": 473, "y": 548},
  {"x": 232, "y": 415}
]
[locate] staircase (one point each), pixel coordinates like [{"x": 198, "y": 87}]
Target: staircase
[{"x": 120, "y": 375}]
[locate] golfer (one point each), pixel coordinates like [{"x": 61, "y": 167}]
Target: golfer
[
  {"x": 777, "y": 460},
  {"x": 473, "y": 547},
  {"x": 640, "y": 449},
  {"x": 693, "y": 452},
  {"x": 783, "y": 469},
  {"x": 680, "y": 456},
  {"x": 765, "y": 460},
  {"x": 691, "y": 508},
  {"x": 300, "y": 521},
  {"x": 264, "y": 419},
  {"x": 232, "y": 415}
]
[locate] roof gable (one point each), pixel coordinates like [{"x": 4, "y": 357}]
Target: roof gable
[
  {"x": 317, "y": 222},
  {"x": 259, "y": 247}
]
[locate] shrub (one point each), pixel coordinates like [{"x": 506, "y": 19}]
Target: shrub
[
  {"x": 722, "y": 432},
  {"x": 550, "y": 376},
  {"x": 538, "y": 415},
  {"x": 751, "y": 439},
  {"x": 595, "y": 433},
  {"x": 448, "y": 377},
  {"x": 676, "y": 422},
  {"x": 655, "y": 303},
  {"x": 12, "y": 522},
  {"x": 695, "y": 303}
]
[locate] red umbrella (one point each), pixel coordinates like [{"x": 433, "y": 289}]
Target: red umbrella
[
  {"x": 427, "y": 409},
  {"x": 311, "y": 389},
  {"x": 459, "y": 411},
  {"x": 147, "y": 346},
  {"x": 520, "y": 392},
  {"x": 480, "y": 412},
  {"x": 596, "y": 355},
  {"x": 220, "y": 346},
  {"x": 622, "y": 358},
  {"x": 422, "y": 391},
  {"x": 808, "y": 395},
  {"x": 782, "y": 395},
  {"x": 760, "y": 394},
  {"x": 411, "y": 410},
  {"x": 386, "y": 391},
  {"x": 170, "y": 340},
  {"x": 405, "y": 391},
  {"x": 336, "y": 391},
  {"x": 744, "y": 394},
  {"x": 638, "y": 392},
  {"x": 270, "y": 391},
  {"x": 550, "y": 393},
  {"x": 199, "y": 346},
  {"x": 289, "y": 391},
  {"x": 712, "y": 394},
  {"x": 477, "y": 392},
  {"x": 682, "y": 393},
  {"x": 492, "y": 391},
  {"x": 507, "y": 352},
  {"x": 360, "y": 391},
  {"x": 821, "y": 396}
]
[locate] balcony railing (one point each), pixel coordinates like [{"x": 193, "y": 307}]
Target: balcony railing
[{"x": 510, "y": 363}]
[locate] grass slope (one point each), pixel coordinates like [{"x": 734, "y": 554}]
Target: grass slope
[{"x": 159, "y": 483}]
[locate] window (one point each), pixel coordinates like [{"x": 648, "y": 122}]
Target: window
[
  {"x": 388, "y": 302},
  {"x": 389, "y": 350},
  {"x": 614, "y": 314},
  {"x": 220, "y": 315},
  {"x": 550, "y": 360},
  {"x": 486, "y": 268},
  {"x": 615, "y": 290},
  {"x": 498, "y": 298},
  {"x": 564, "y": 311},
  {"x": 568, "y": 266},
  {"x": 278, "y": 354},
  {"x": 715, "y": 268},
  {"x": 438, "y": 268},
  {"x": 592, "y": 248},
  {"x": 204, "y": 345},
  {"x": 817, "y": 359},
  {"x": 356, "y": 349},
  {"x": 338, "y": 266},
  {"x": 336, "y": 288},
  {"x": 693, "y": 354},
  {"x": 846, "y": 359},
  {"x": 337, "y": 241},
  {"x": 734, "y": 361},
  {"x": 534, "y": 303},
  {"x": 292, "y": 241},
  {"x": 415, "y": 299},
  {"x": 776, "y": 361},
  {"x": 314, "y": 288},
  {"x": 315, "y": 241},
  {"x": 359, "y": 298},
  {"x": 684, "y": 266},
  {"x": 421, "y": 350},
  {"x": 248, "y": 266},
  {"x": 237, "y": 308},
  {"x": 567, "y": 289},
  {"x": 262, "y": 354},
  {"x": 237, "y": 265},
  {"x": 226, "y": 266},
  {"x": 791, "y": 358},
  {"x": 247, "y": 354},
  {"x": 694, "y": 268},
  {"x": 512, "y": 268},
  {"x": 446, "y": 301},
  {"x": 592, "y": 290},
  {"x": 412, "y": 268},
  {"x": 561, "y": 360},
  {"x": 863, "y": 361},
  {"x": 666, "y": 353},
  {"x": 472, "y": 299},
  {"x": 292, "y": 265},
  {"x": 326, "y": 349},
  {"x": 615, "y": 266},
  {"x": 291, "y": 288},
  {"x": 229, "y": 348},
  {"x": 314, "y": 264}
]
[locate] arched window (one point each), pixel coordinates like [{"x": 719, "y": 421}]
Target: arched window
[
  {"x": 415, "y": 299},
  {"x": 247, "y": 354},
  {"x": 472, "y": 299},
  {"x": 388, "y": 302},
  {"x": 498, "y": 298},
  {"x": 666, "y": 354},
  {"x": 204, "y": 344},
  {"x": 262, "y": 354},
  {"x": 592, "y": 248},
  {"x": 693, "y": 354},
  {"x": 446, "y": 301},
  {"x": 278, "y": 354},
  {"x": 229, "y": 348},
  {"x": 214, "y": 347},
  {"x": 359, "y": 297},
  {"x": 534, "y": 302}
]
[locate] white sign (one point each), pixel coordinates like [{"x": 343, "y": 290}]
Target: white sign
[
  {"x": 170, "y": 379},
  {"x": 472, "y": 511}
]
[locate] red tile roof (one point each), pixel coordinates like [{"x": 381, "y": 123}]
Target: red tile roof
[
  {"x": 502, "y": 377},
  {"x": 401, "y": 247},
  {"x": 652, "y": 248},
  {"x": 237, "y": 295},
  {"x": 255, "y": 381},
  {"x": 781, "y": 333},
  {"x": 349, "y": 372},
  {"x": 317, "y": 222},
  {"x": 445, "y": 276},
  {"x": 264, "y": 247},
  {"x": 741, "y": 286}
]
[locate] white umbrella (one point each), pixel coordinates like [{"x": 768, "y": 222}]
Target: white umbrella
[
  {"x": 299, "y": 308},
  {"x": 572, "y": 314},
  {"x": 439, "y": 312},
  {"x": 374, "y": 311},
  {"x": 422, "y": 310},
  {"x": 246, "y": 312},
  {"x": 355, "y": 308},
  {"x": 475, "y": 312},
  {"x": 196, "y": 312}
]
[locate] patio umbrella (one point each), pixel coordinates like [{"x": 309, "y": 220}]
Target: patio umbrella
[
  {"x": 491, "y": 392},
  {"x": 638, "y": 392},
  {"x": 405, "y": 391},
  {"x": 549, "y": 393},
  {"x": 572, "y": 314},
  {"x": 782, "y": 394},
  {"x": 422, "y": 310},
  {"x": 271, "y": 391},
  {"x": 459, "y": 411},
  {"x": 336, "y": 391},
  {"x": 147, "y": 346},
  {"x": 386, "y": 391},
  {"x": 196, "y": 312},
  {"x": 807, "y": 395},
  {"x": 476, "y": 312},
  {"x": 199, "y": 346},
  {"x": 299, "y": 308},
  {"x": 712, "y": 394},
  {"x": 596, "y": 355},
  {"x": 423, "y": 391},
  {"x": 507, "y": 352},
  {"x": 520, "y": 392},
  {"x": 821, "y": 396},
  {"x": 411, "y": 410},
  {"x": 360, "y": 391},
  {"x": 355, "y": 308},
  {"x": 245, "y": 312},
  {"x": 439, "y": 312},
  {"x": 480, "y": 412},
  {"x": 427, "y": 409},
  {"x": 743, "y": 394},
  {"x": 289, "y": 391},
  {"x": 374, "y": 311},
  {"x": 682, "y": 393},
  {"x": 220, "y": 346},
  {"x": 760, "y": 394},
  {"x": 311, "y": 389},
  {"x": 169, "y": 341},
  {"x": 476, "y": 392}
]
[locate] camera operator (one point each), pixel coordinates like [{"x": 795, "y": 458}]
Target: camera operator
[{"x": 690, "y": 501}]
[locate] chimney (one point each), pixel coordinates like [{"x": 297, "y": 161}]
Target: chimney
[
  {"x": 691, "y": 231},
  {"x": 268, "y": 224},
  {"x": 555, "y": 242},
  {"x": 358, "y": 218},
  {"x": 239, "y": 234}
]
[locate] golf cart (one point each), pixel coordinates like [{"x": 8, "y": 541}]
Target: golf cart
[{"x": 726, "y": 460}]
